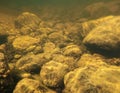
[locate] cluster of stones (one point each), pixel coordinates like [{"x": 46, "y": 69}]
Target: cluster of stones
[
  {"x": 48, "y": 60},
  {"x": 6, "y": 81}
]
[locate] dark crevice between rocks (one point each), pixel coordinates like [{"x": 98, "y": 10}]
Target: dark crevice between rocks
[
  {"x": 3, "y": 39},
  {"x": 109, "y": 53},
  {"x": 58, "y": 89}
]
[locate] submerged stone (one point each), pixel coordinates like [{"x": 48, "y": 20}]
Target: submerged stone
[
  {"x": 31, "y": 86},
  {"x": 90, "y": 79},
  {"x": 24, "y": 42},
  {"x": 105, "y": 37},
  {"x": 31, "y": 63},
  {"x": 52, "y": 74},
  {"x": 27, "y": 22}
]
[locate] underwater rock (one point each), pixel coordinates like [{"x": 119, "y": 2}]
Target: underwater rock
[
  {"x": 89, "y": 79},
  {"x": 57, "y": 38},
  {"x": 24, "y": 42},
  {"x": 72, "y": 50},
  {"x": 6, "y": 81},
  {"x": 59, "y": 25},
  {"x": 87, "y": 26},
  {"x": 52, "y": 74},
  {"x": 49, "y": 24},
  {"x": 31, "y": 63},
  {"x": 49, "y": 47},
  {"x": 95, "y": 60},
  {"x": 105, "y": 37},
  {"x": 68, "y": 60},
  {"x": 73, "y": 32},
  {"x": 31, "y": 86},
  {"x": 45, "y": 30},
  {"x": 113, "y": 61},
  {"x": 4, "y": 30},
  {"x": 2, "y": 48},
  {"x": 2, "y": 57},
  {"x": 27, "y": 22}
]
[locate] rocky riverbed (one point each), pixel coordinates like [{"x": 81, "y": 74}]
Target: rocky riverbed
[{"x": 58, "y": 56}]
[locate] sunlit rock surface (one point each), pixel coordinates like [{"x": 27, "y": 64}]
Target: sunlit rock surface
[
  {"x": 105, "y": 36},
  {"x": 31, "y": 86},
  {"x": 46, "y": 47},
  {"x": 23, "y": 42},
  {"x": 88, "y": 26},
  {"x": 72, "y": 50},
  {"x": 94, "y": 60},
  {"x": 31, "y": 63},
  {"x": 70, "y": 61},
  {"x": 52, "y": 74},
  {"x": 103, "y": 79}
]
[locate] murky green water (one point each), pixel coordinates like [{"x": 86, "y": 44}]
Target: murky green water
[
  {"x": 65, "y": 9},
  {"x": 41, "y": 41}
]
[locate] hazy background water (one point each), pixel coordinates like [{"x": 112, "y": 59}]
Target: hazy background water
[
  {"x": 48, "y": 9},
  {"x": 46, "y": 2}
]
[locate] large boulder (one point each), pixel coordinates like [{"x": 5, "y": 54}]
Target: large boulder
[
  {"x": 105, "y": 37},
  {"x": 31, "y": 86},
  {"x": 87, "y": 26},
  {"x": 90, "y": 79},
  {"x": 52, "y": 74},
  {"x": 27, "y": 22}
]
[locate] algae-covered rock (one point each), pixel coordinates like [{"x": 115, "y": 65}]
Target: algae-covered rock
[
  {"x": 72, "y": 50},
  {"x": 49, "y": 47},
  {"x": 52, "y": 74},
  {"x": 73, "y": 32},
  {"x": 27, "y": 22},
  {"x": 105, "y": 37},
  {"x": 6, "y": 81},
  {"x": 68, "y": 60},
  {"x": 113, "y": 61},
  {"x": 45, "y": 30},
  {"x": 104, "y": 79},
  {"x": 94, "y": 60},
  {"x": 2, "y": 57},
  {"x": 31, "y": 86},
  {"x": 31, "y": 63},
  {"x": 87, "y": 26},
  {"x": 57, "y": 38},
  {"x": 24, "y": 42},
  {"x": 97, "y": 60}
]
